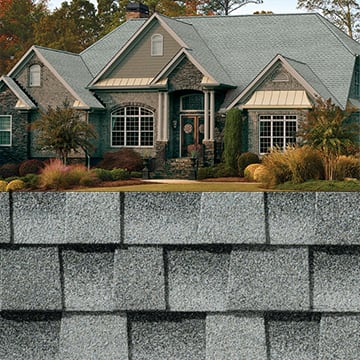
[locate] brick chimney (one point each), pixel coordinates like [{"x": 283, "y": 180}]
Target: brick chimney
[{"x": 136, "y": 11}]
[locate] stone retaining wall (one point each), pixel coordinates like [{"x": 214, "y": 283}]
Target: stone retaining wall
[{"x": 179, "y": 276}]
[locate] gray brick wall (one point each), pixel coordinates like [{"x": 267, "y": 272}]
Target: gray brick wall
[{"x": 179, "y": 276}]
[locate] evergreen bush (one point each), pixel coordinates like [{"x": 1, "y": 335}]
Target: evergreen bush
[
  {"x": 9, "y": 170},
  {"x": 32, "y": 166},
  {"x": 127, "y": 159},
  {"x": 245, "y": 159}
]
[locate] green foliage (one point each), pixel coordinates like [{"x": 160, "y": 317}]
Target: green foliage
[
  {"x": 9, "y": 170},
  {"x": 246, "y": 159},
  {"x": 62, "y": 130},
  {"x": 326, "y": 129},
  {"x": 122, "y": 159},
  {"x": 32, "y": 166},
  {"x": 347, "y": 167},
  {"x": 31, "y": 181},
  {"x": 111, "y": 175},
  {"x": 15, "y": 185},
  {"x": 232, "y": 138},
  {"x": 321, "y": 185},
  {"x": 205, "y": 173}
]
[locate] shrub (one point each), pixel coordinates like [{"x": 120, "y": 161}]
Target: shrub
[
  {"x": 15, "y": 185},
  {"x": 250, "y": 170},
  {"x": 263, "y": 175},
  {"x": 136, "y": 174},
  {"x": 120, "y": 174},
  {"x": 56, "y": 175},
  {"x": 127, "y": 159},
  {"x": 32, "y": 166},
  {"x": 3, "y": 185},
  {"x": 9, "y": 170},
  {"x": 102, "y": 174},
  {"x": 347, "y": 167},
  {"x": 246, "y": 159},
  {"x": 205, "y": 173},
  {"x": 31, "y": 181},
  {"x": 223, "y": 170},
  {"x": 90, "y": 179}
]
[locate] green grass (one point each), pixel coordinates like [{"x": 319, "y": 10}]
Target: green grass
[
  {"x": 321, "y": 185},
  {"x": 192, "y": 187}
]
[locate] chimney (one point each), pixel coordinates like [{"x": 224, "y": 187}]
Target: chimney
[{"x": 136, "y": 11}]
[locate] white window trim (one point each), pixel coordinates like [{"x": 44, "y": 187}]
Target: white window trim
[
  {"x": 9, "y": 130},
  {"x": 140, "y": 117},
  {"x": 157, "y": 45},
  {"x": 32, "y": 72},
  {"x": 272, "y": 120}
]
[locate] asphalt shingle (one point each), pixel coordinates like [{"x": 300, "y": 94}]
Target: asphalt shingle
[
  {"x": 88, "y": 280},
  {"x": 233, "y": 337},
  {"x": 5, "y": 232},
  {"x": 25, "y": 336},
  {"x": 161, "y": 218},
  {"x": 93, "y": 336},
  {"x": 93, "y": 217},
  {"x": 197, "y": 279},
  {"x": 139, "y": 280},
  {"x": 39, "y": 217},
  {"x": 269, "y": 279},
  {"x": 337, "y": 279},
  {"x": 242, "y": 220},
  {"x": 338, "y": 217},
  {"x": 294, "y": 337},
  {"x": 30, "y": 279},
  {"x": 292, "y": 218},
  {"x": 167, "y": 337},
  {"x": 339, "y": 337}
]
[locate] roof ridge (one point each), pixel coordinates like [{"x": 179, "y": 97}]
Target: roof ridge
[
  {"x": 244, "y": 15},
  {"x": 39, "y": 47},
  {"x": 332, "y": 28}
]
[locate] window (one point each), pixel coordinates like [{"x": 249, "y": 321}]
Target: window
[
  {"x": 5, "y": 130},
  {"x": 132, "y": 126},
  {"x": 192, "y": 102},
  {"x": 277, "y": 131},
  {"x": 35, "y": 75},
  {"x": 157, "y": 45}
]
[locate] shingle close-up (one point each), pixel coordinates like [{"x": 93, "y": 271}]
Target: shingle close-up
[{"x": 179, "y": 276}]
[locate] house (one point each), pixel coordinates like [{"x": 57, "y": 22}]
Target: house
[{"x": 159, "y": 84}]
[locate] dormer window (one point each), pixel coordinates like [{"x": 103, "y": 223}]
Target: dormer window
[
  {"x": 35, "y": 75},
  {"x": 157, "y": 45}
]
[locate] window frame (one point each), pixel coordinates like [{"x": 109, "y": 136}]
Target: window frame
[
  {"x": 192, "y": 109},
  {"x": 272, "y": 119},
  {"x": 157, "y": 45},
  {"x": 143, "y": 127},
  {"x": 8, "y": 130},
  {"x": 35, "y": 74}
]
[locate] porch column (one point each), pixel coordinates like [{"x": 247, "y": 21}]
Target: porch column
[
  {"x": 165, "y": 117},
  {"x": 206, "y": 116},
  {"x": 159, "y": 135},
  {"x": 212, "y": 115}
]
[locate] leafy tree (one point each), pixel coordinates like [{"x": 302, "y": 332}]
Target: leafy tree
[
  {"x": 17, "y": 20},
  {"x": 62, "y": 130},
  {"x": 232, "y": 137},
  {"x": 72, "y": 27},
  {"x": 345, "y": 14},
  {"x": 327, "y": 129},
  {"x": 225, "y": 7}
]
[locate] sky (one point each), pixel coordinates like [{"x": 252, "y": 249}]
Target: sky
[{"x": 276, "y": 6}]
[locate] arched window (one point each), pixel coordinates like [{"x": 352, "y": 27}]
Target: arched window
[
  {"x": 132, "y": 126},
  {"x": 157, "y": 45},
  {"x": 35, "y": 75}
]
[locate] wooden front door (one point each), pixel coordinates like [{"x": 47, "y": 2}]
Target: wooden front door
[{"x": 192, "y": 132}]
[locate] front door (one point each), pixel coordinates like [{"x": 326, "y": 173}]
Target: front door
[{"x": 192, "y": 133}]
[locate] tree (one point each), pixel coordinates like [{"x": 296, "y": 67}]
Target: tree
[
  {"x": 345, "y": 14},
  {"x": 225, "y": 7},
  {"x": 17, "y": 20},
  {"x": 62, "y": 130},
  {"x": 72, "y": 27},
  {"x": 232, "y": 137},
  {"x": 327, "y": 129}
]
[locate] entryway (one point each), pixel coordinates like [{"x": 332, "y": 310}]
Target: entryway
[{"x": 191, "y": 134}]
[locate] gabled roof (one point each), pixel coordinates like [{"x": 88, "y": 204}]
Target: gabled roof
[
  {"x": 300, "y": 71},
  {"x": 24, "y": 102},
  {"x": 69, "y": 69}
]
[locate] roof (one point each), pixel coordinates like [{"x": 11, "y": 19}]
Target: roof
[
  {"x": 234, "y": 49},
  {"x": 173, "y": 275},
  {"x": 24, "y": 101}
]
